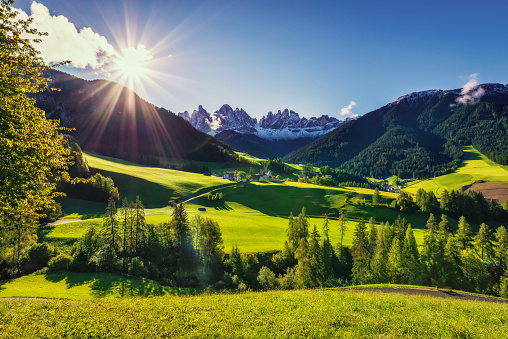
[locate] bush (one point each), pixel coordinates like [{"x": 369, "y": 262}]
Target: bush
[
  {"x": 267, "y": 279},
  {"x": 38, "y": 256},
  {"x": 61, "y": 262},
  {"x": 289, "y": 281},
  {"x": 137, "y": 267}
]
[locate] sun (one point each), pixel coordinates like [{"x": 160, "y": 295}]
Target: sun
[{"x": 131, "y": 63}]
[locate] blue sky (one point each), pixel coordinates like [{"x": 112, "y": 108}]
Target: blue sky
[{"x": 314, "y": 57}]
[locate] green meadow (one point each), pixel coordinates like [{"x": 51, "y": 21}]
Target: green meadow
[
  {"x": 76, "y": 285},
  {"x": 275, "y": 314},
  {"x": 253, "y": 217},
  {"x": 475, "y": 167},
  {"x": 155, "y": 185}
]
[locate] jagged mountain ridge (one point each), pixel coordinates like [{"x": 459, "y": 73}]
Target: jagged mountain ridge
[
  {"x": 112, "y": 120},
  {"x": 416, "y": 135},
  {"x": 284, "y": 125}
]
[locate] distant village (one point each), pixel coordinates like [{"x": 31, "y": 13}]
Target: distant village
[{"x": 240, "y": 176}]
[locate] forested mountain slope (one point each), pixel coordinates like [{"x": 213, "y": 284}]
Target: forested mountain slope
[
  {"x": 112, "y": 120},
  {"x": 417, "y": 135}
]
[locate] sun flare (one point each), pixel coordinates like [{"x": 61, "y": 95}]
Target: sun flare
[{"x": 132, "y": 62}]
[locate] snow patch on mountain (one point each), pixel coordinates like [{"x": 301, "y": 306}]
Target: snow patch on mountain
[
  {"x": 284, "y": 125},
  {"x": 424, "y": 96}
]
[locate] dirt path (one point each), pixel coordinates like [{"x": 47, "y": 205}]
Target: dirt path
[
  {"x": 64, "y": 221},
  {"x": 424, "y": 291}
]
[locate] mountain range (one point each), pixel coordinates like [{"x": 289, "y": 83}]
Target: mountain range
[
  {"x": 418, "y": 135},
  {"x": 274, "y": 135},
  {"x": 284, "y": 125}
]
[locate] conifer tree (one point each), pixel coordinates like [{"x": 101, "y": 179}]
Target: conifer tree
[
  {"x": 372, "y": 237},
  {"x": 139, "y": 224},
  {"x": 484, "y": 241},
  {"x": 315, "y": 255},
  {"x": 327, "y": 253},
  {"x": 464, "y": 233},
  {"x": 444, "y": 226},
  {"x": 126, "y": 223},
  {"x": 376, "y": 197},
  {"x": 342, "y": 230},
  {"x": 410, "y": 248},
  {"x": 394, "y": 264},
  {"x": 360, "y": 251},
  {"x": 501, "y": 248},
  {"x": 110, "y": 226},
  {"x": 432, "y": 224}
]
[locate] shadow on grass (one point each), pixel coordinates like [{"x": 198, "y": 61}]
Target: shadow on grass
[
  {"x": 223, "y": 206},
  {"x": 112, "y": 285}
]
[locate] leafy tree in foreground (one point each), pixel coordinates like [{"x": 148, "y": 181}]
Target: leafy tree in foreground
[
  {"x": 32, "y": 155},
  {"x": 31, "y": 152}
]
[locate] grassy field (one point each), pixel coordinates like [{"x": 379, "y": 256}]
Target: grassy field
[
  {"x": 74, "y": 285},
  {"x": 253, "y": 217},
  {"x": 475, "y": 167},
  {"x": 304, "y": 313},
  {"x": 154, "y": 185}
]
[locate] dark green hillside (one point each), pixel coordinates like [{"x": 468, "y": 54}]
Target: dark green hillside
[
  {"x": 261, "y": 148},
  {"x": 112, "y": 120},
  {"x": 416, "y": 136}
]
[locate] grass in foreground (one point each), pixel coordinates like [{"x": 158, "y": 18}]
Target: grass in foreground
[
  {"x": 475, "y": 167},
  {"x": 75, "y": 285},
  {"x": 305, "y": 313}
]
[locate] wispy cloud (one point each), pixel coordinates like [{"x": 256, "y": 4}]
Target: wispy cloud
[
  {"x": 348, "y": 109},
  {"x": 84, "y": 48},
  {"x": 471, "y": 92}
]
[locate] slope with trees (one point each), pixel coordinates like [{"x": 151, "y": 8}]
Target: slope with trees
[{"x": 419, "y": 135}]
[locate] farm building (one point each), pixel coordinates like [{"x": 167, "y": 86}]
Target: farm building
[{"x": 228, "y": 174}]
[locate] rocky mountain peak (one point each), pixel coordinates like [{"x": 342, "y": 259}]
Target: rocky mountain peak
[{"x": 286, "y": 124}]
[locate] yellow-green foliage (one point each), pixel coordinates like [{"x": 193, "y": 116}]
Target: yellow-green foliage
[
  {"x": 475, "y": 167},
  {"x": 304, "y": 313}
]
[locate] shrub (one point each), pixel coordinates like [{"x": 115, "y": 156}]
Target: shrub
[
  {"x": 266, "y": 278},
  {"x": 38, "y": 256},
  {"x": 137, "y": 267},
  {"x": 61, "y": 262}
]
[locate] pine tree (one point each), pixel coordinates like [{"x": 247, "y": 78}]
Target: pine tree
[
  {"x": 342, "y": 230},
  {"x": 432, "y": 224},
  {"x": 394, "y": 264},
  {"x": 328, "y": 256},
  {"x": 110, "y": 226},
  {"x": 126, "y": 223},
  {"x": 372, "y": 237},
  {"x": 444, "y": 226},
  {"x": 360, "y": 251},
  {"x": 314, "y": 254},
  {"x": 501, "y": 248},
  {"x": 380, "y": 257},
  {"x": 376, "y": 198},
  {"x": 139, "y": 224},
  {"x": 484, "y": 241},
  {"x": 464, "y": 233},
  {"x": 410, "y": 248}
]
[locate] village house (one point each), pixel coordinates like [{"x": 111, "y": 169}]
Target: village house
[{"x": 228, "y": 175}]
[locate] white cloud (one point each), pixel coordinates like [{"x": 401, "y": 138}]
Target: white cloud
[
  {"x": 347, "y": 110},
  {"x": 471, "y": 92},
  {"x": 137, "y": 55},
  {"x": 84, "y": 48}
]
